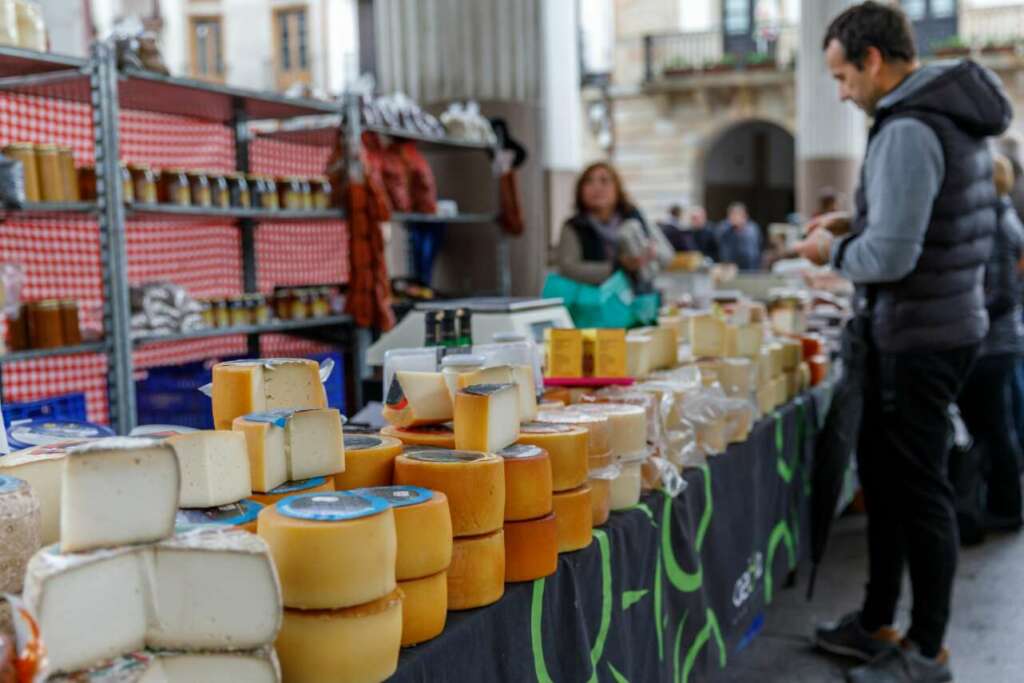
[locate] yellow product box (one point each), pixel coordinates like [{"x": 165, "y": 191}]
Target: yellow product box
[
  {"x": 564, "y": 352},
  {"x": 604, "y": 352}
]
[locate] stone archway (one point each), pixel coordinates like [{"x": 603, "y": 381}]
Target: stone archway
[{"x": 753, "y": 162}]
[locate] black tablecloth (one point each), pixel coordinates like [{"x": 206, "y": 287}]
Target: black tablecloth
[{"x": 667, "y": 591}]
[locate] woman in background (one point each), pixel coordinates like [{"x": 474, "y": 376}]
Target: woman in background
[{"x": 608, "y": 233}]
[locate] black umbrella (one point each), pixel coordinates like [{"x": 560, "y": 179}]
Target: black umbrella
[{"x": 837, "y": 440}]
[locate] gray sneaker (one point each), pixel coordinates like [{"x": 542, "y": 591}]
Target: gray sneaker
[
  {"x": 847, "y": 638},
  {"x": 903, "y": 665}
]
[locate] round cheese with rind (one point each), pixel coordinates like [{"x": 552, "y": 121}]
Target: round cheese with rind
[
  {"x": 439, "y": 436},
  {"x": 574, "y": 515},
  {"x": 627, "y": 425},
  {"x": 473, "y": 482},
  {"x": 355, "y": 645},
  {"x": 527, "y": 482},
  {"x": 600, "y": 499},
  {"x": 369, "y": 461},
  {"x": 531, "y": 549},
  {"x": 294, "y": 488},
  {"x": 424, "y": 528},
  {"x": 567, "y": 448},
  {"x": 476, "y": 576},
  {"x": 19, "y": 531},
  {"x": 332, "y": 550},
  {"x": 424, "y": 608}
]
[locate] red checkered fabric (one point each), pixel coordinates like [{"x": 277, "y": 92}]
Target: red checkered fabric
[{"x": 62, "y": 260}]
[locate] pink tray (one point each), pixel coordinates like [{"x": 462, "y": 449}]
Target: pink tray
[{"x": 588, "y": 381}]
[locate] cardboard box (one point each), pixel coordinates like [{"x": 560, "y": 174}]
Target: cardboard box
[
  {"x": 564, "y": 348},
  {"x": 604, "y": 352}
]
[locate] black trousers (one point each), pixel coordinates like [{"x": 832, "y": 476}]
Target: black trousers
[
  {"x": 902, "y": 456},
  {"x": 986, "y": 406}
]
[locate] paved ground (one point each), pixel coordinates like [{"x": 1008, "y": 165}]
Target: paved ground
[{"x": 986, "y": 637}]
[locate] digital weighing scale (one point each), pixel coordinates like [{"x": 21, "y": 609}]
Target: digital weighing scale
[{"x": 491, "y": 315}]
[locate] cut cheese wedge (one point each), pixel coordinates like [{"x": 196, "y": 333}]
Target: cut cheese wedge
[
  {"x": 599, "y": 439},
  {"x": 355, "y": 645},
  {"x": 332, "y": 550},
  {"x": 423, "y": 526},
  {"x": 473, "y": 482},
  {"x": 665, "y": 349},
  {"x": 253, "y": 386},
  {"x": 369, "y": 461},
  {"x": 627, "y": 426},
  {"x": 486, "y": 417},
  {"x": 424, "y": 608},
  {"x": 292, "y": 445},
  {"x": 43, "y": 468},
  {"x": 214, "y": 467},
  {"x": 294, "y": 488},
  {"x": 566, "y": 447},
  {"x": 575, "y": 518},
  {"x": 476, "y": 576},
  {"x": 744, "y": 340},
  {"x": 737, "y": 375},
  {"x": 417, "y": 398},
  {"x": 437, "y": 436},
  {"x": 519, "y": 375},
  {"x": 707, "y": 336},
  {"x": 19, "y": 532},
  {"x": 116, "y": 491},
  {"x": 639, "y": 355},
  {"x": 531, "y": 549},
  {"x": 527, "y": 482}
]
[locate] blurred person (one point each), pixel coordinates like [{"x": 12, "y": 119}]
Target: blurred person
[
  {"x": 703, "y": 234},
  {"x": 916, "y": 249},
  {"x": 986, "y": 402},
  {"x": 679, "y": 236},
  {"x": 608, "y": 233},
  {"x": 739, "y": 239}
]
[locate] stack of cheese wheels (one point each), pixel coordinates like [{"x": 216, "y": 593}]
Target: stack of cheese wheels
[
  {"x": 369, "y": 462},
  {"x": 531, "y": 533},
  {"x": 474, "y": 484},
  {"x": 335, "y": 554},
  {"x": 628, "y": 447},
  {"x": 437, "y": 436},
  {"x": 424, "y": 528}
]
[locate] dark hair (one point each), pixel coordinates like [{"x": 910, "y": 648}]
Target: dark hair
[
  {"x": 871, "y": 24},
  {"x": 737, "y": 206},
  {"x": 675, "y": 210},
  {"x": 623, "y": 204}
]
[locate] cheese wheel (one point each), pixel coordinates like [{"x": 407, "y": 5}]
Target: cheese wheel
[
  {"x": 369, "y": 461},
  {"x": 600, "y": 499},
  {"x": 242, "y": 514},
  {"x": 332, "y": 550},
  {"x": 531, "y": 549},
  {"x": 19, "y": 531},
  {"x": 251, "y": 386},
  {"x": 527, "y": 482},
  {"x": 627, "y": 425},
  {"x": 626, "y": 487},
  {"x": 473, "y": 482},
  {"x": 599, "y": 439},
  {"x": 355, "y": 645},
  {"x": 424, "y": 608},
  {"x": 438, "y": 436},
  {"x": 294, "y": 488},
  {"x": 43, "y": 468},
  {"x": 597, "y": 462},
  {"x": 567, "y": 448},
  {"x": 423, "y": 525},
  {"x": 476, "y": 576},
  {"x": 574, "y": 515}
]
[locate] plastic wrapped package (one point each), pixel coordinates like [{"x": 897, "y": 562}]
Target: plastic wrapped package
[
  {"x": 424, "y": 359},
  {"x": 706, "y": 410},
  {"x": 658, "y": 473},
  {"x": 677, "y": 443},
  {"x": 629, "y": 396},
  {"x": 739, "y": 418}
]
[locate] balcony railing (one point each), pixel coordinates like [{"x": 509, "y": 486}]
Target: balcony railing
[
  {"x": 671, "y": 55},
  {"x": 983, "y": 25}
]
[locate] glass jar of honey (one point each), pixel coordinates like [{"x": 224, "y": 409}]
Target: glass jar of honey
[
  {"x": 321, "y": 302},
  {"x": 207, "y": 314},
  {"x": 51, "y": 174},
  {"x": 260, "y": 310},
  {"x": 26, "y": 154},
  {"x": 45, "y": 330},
  {"x": 302, "y": 304},
  {"x": 200, "y": 184},
  {"x": 220, "y": 192},
  {"x": 174, "y": 187},
  {"x": 321, "y": 193},
  {"x": 268, "y": 197},
  {"x": 87, "y": 183},
  {"x": 290, "y": 192},
  {"x": 127, "y": 184},
  {"x": 307, "y": 194},
  {"x": 221, "y": 316},
  {"x": 241, "y": 194},
  {"x": 283, "y": 304},
  {"x": 144, "y": 184},
  {"x": 238, "y": 314},
  {"x": 69, "y": 174},
  {"x": 69, "y": 326},
  {"x": 17, "y": 329}
]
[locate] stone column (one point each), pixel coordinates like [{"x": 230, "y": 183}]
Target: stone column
[{"x": 830, "y": 134}]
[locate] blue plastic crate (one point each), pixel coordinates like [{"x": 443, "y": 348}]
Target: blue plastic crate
[
  {"x": 334, "y": 387},
  {"x": 66, "y": 407}
]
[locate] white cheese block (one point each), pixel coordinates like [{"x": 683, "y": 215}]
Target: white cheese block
[
  {"x": 214, "y": 468},
  {"x": 19, "y": 531},
  {"x": 737, "y": 377},
  {"x": 627, "y": 426},
  {"x": 486, "y": 417},
  {"x": 519, "y": 375},
  {"x": 43, "y": 468},
  {"x": 292, "y": 445},
  {"x": 639, "y": 355},
  {"x": 116, "y": 491},
  {"x": 665, "y": 350},
  {"x": 707, "y": 336},
  {"x": 776, "y": 357},
  {"x": 90, "y": 606},
  {"x": 253, "y": 666},
  {"x": 744, "y": 340},
  {"x": 418, "y": 398},
  {"x": 214, "y": 589}
]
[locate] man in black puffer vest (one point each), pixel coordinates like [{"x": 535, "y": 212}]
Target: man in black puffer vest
[{"x": 916, "y": 249}]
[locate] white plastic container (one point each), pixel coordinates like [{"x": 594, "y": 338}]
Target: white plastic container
[
  {"x": 627, "y": 486},
  {"x": 423, "y": 359}
]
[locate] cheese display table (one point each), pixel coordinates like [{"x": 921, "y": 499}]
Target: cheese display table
[{"x": 667, "y": 590}]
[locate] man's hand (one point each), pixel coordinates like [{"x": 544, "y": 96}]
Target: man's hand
[
  {"x": 817, "y": 247},
  {"x": 837, "y": 223},
  {"x": 630, "y": 263}
]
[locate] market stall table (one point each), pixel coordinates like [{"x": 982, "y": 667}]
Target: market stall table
[{"x": 668, "y": 590}]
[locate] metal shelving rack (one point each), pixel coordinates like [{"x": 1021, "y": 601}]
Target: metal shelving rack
[{"x": 99, "y": 83}]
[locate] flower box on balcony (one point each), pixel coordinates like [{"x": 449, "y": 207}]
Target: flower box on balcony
[
  {"x": 1008, "y": 49},
  {"x": 949, "y": 52},
  {"x": 678, "y": 71}
]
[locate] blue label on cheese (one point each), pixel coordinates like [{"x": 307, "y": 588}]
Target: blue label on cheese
[
  {"x": 337, "y": 506},
  {"x": 40, "y": 432},
  {"x": 10, "y": 484},
  {"x": 278, "y": 418},
  {"x": 235, "y": 514},
  {"x": 398, "y": 496},
  {"x": 298, "y": 486}
]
